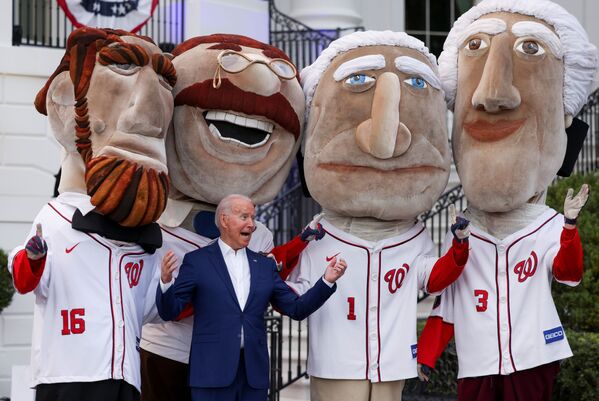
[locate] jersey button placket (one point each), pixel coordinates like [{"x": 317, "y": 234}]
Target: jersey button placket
[
  {"x": 373, "y": 315},
  {"x": 502, "y": 291}
]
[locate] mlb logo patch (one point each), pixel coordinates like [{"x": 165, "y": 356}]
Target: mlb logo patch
[
  {"x": 414, "y": 351},
  {"x": 553, "y": 335}
]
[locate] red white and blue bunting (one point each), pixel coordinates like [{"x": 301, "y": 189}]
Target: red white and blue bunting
[{"x": 129, "y": 15}]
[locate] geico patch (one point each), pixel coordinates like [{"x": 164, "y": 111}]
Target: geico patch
[
  {"x": 414, "y": 351},
  {"x": 553, "y": 335}
]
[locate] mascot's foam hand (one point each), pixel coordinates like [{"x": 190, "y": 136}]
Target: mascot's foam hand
[
  {"x": 313, "y": 230},
  {"x": 459, "y": 226},
  {"x": 36, "y": 247},
  {"x": 424, "y": 372},
  {"x": 573, "y": 205}
]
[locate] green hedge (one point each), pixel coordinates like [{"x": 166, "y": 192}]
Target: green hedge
[
  {"x": 6, "y": 287},
  {"x": 579, "y": 376}
]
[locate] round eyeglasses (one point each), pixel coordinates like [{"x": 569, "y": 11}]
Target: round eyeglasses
[{"x": 234, "y": 62}]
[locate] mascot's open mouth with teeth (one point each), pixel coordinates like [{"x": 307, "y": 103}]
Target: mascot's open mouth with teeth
[
  {"x": 238, "y": 133},
  {"x": 245, "y": 131}
]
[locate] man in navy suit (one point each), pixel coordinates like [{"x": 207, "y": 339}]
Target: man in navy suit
[{"x": 230, "y": 288}]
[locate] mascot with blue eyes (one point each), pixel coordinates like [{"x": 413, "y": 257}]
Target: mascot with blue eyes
[
  {"x": 376, "y": 156},
  {"x": 515, "y": 73},
  {"x": 90, "y": 258},
  {"x": 236, "y": 129}
]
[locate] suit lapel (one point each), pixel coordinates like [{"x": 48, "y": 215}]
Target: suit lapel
[
  {"x": 254, "y": 272},
  {"x": 218, "y": 261}
]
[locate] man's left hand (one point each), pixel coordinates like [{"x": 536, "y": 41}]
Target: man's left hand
[{"x": 335, "y": 269}]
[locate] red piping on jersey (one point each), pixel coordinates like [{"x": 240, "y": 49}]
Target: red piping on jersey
[
  {"x": 367, "y": 291},
  {"x": 507, "y": 251},
  {"x": 181, "y": 238},
  {"x": 109, "y": 284},
  {"x": 496, "y": 296},
  {"x": 378, "y": 319},
  {"x": 378, "y": 309},
  {"x": 122, "y": 308}
]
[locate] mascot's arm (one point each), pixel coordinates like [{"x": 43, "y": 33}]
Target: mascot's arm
[
  {"x": 449, "y": 267},
  {"x": 568, "y": 263},
  {"x": 433, "y": 340},
  {"x": 287, "y": 255},
  {"x": 27, "y": 273}
]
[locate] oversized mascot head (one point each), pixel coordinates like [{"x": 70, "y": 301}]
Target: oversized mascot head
[
  {"x": 237, "y": 120},
  {"x": 109, "y": 104},
  {"x": 376, "y": 138},
  {"x": 515, "y": 72}
]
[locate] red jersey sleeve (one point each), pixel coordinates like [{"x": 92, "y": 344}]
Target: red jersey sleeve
[
  {"x": 27, "y": 273},
  {"x": 449, "y": 267},
  {"x": 433, "y": 340},
  {"x": 288, "y": 255},
  {"x": 568, "y": 263}
]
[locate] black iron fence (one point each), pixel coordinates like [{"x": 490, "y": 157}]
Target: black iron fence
[
  {"x": 43, "y": 23},
  {"x": 302, "y": 43}
]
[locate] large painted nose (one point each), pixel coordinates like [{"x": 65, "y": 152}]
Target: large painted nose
[
  {"x": 258, "y": 79},
  {"x": 495, "y": 91},
  {"x": 383, "y": 135}
]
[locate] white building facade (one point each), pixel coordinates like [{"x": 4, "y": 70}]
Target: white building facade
[{"x": 29, "y": 156}]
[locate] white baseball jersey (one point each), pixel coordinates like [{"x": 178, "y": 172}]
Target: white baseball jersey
[
  {"x": 172, "y": 340},
  {"x": 501, "y": 307},
  {"x": 90, "y": 302},
  {"x": 367, "y": 329}
]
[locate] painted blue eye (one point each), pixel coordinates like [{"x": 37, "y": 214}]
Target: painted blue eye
[
  {"x": 359, "y": 79},
  {"x": 416, "y": 82}
]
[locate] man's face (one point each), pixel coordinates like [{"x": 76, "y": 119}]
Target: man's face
[
  {"x": 238, "y": 138},
  {"x": 237, "y": 225},
  {"x": 376, "y": 140},
  {"x": 509, "y": 132}
]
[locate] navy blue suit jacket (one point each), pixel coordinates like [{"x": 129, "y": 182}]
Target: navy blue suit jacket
[{"x": 204, "y": 281}]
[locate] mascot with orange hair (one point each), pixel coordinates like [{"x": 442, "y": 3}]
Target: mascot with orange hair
[{"x": 92, "y": 269}]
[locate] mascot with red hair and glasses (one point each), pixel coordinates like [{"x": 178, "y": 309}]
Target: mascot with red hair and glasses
[
  {"x": 236, "y": 130},
  {"x": 92, "y": 270},
  {"x": 515, "y": 73}
]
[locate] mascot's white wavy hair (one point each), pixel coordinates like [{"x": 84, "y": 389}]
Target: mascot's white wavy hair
[
  {"x": 310, "y": 76},
  {"x": 579, "y": 55}
]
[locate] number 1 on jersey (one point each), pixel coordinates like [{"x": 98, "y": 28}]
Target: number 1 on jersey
[{"x": 351, "y": 315}]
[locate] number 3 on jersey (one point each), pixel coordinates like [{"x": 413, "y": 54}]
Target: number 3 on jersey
[
  {"x": 72, "y": 321},
  {"x": 482, "y": 296}
]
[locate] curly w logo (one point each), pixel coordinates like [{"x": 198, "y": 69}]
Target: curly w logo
[
  {"x": 133, "y": 271},
  {"x": 395, "y": 277},
  {"x": 526, "y": 268}
]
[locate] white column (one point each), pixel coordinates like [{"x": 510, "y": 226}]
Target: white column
[
  {"x": 328, "y": 14},
  {"x": 5, "y": 23}
]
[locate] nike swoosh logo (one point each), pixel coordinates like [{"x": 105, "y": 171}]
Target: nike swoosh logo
[
  {"x": 329, "y": 258},
  {"x": 69, "y": 250}
]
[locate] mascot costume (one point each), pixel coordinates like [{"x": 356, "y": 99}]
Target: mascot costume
[
  {"x": 92, "y": 270},
  {"x": 376, "y": 156},
  {"x": 515, "y": 72},
  {"x": 236, "y": 129}
]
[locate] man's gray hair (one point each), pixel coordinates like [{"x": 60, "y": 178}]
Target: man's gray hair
[
  {"x": 226, "y": 204},
  {"x": 310, "y": 76},
  {"x": 579, "y": 54}
]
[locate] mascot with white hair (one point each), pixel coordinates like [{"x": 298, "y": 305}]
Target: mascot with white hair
[
  {"x": 376, "y": 156},
  {"x": 515, "y": 73}
]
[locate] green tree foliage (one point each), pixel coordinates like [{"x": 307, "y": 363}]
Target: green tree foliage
[{"x": 6, "y": 287}]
